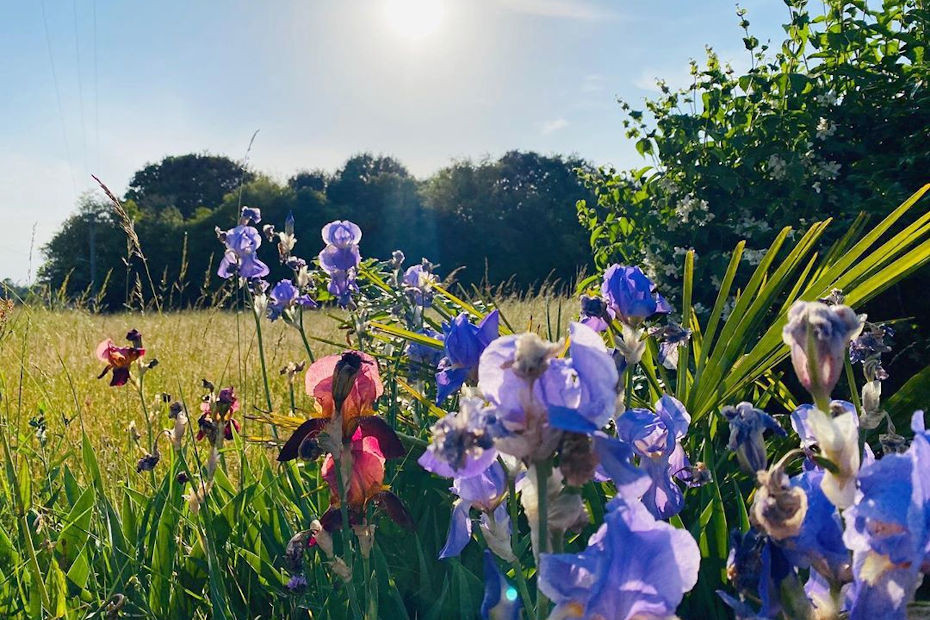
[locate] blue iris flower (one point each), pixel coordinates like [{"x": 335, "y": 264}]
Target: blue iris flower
[
  {"x": 631, "y": 295},
  {"x": 284, "y": 298},
  {"x": 340, "y": 258},
  {"x": 484, "y": 492},
  {"x": 634, "y": 566},
  {"x": 746, "y": 427},
  {"x": 501, "y": 600},
  {"x": 239, "y": 258},
  {"x": 655, "y": 437},
  {"x": 463, "y": 343},
  {"x": 888, "y": 529}
]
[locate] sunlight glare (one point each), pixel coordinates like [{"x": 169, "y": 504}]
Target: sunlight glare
[{"x": 414, "y": 19}]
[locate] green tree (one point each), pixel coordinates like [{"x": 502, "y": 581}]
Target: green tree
[
  {"x": 510, "y": 219},
  {"x": 832, "y": 122},
  {"x": 186, "y": 182}
]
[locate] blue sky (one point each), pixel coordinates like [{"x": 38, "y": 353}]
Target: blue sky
[{"x": 104, "y": 87}]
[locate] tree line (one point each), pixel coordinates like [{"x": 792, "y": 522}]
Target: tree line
[{"x": 511, "y": 220}]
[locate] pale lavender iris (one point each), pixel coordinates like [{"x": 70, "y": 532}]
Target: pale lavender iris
[
  {"x": 239, "y": 257},
  {"x": 655, "y": 437},
  {"x": 418, "y": 284},
  {"x": 483, "y": 492},
  {"x": 634, "y": 567},
  {"x": 819, "y": 544},
  {"x": 888, "y": 529},
  {"x": 803, "y": 428},
  {"x": 340, "y": 258},
  {"x": 463, "y": 344},
  {"x": 579, "y": 393},
  {"x": 746, "y": 427},
  {"x": 631, "y": 295},
  {"x": 249, "y": 216},
  {"x": 342, "y": 234},
  {"x": 462, "y": 443},
  {"x": 284, "y": 298},
  {"x": 818, "y": 335}
]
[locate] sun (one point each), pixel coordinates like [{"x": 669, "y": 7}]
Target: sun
[{"x": 414, "y": 19}]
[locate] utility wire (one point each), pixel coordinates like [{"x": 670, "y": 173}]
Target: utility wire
[
  {"x": 96, "y": 97},
  {"x": 77, "y": 56},
  {"x": 61, "y": 113}
]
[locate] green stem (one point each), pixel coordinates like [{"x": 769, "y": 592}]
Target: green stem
[
  {"x": 521, "y": 585},
  {"x": 25, "y": 531},
  {"x": 303, "y": 336},
  {"x": 853, "y": 390},
  {"x": 346, "y": 535},
  {"x": 148, "y": 422},
  {"x": 261, "y": 355},
  {"x": 543, "y": 469}
]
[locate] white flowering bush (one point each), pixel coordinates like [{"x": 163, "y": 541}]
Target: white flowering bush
[{"x": 794, "y": 139}]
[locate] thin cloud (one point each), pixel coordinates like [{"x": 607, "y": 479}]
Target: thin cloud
[
  {"x": 566, "y": 9},
  {"x": 553, "y": 125},
  {"x": 593, "y": 83}
]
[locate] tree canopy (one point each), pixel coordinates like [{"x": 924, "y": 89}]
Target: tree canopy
[{"x": 486, "y": 216}]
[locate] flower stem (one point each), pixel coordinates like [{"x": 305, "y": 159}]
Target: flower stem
[
  {"x": 303, "y": 335},
  {"x": 543, "y": 469},
  {"x": 853, "y": 390},
  {"x": 148, "y": 422},
  {"x": 341, "y": 458},
  {"x": 261, "y": 357},
  {"x": 521, "y": 585}
]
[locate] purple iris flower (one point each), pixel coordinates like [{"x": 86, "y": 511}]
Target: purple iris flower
[
  {"x": 595, "y": 313},
  {"x": 284, "y": 297},
  {"x": 249, "y": 216},
  {"x": 746, "y": 427},
  {"x": 462, "y": 443},
  {"x": 342, "y": 234},
  {"x": 418, "y": 284},
  {"x": 615, "y": 462},
  {"x": 870, "y": 343},
  {"x": 818, "y": 336},
  {"x": 340, "y": 258},
  {"x": 501, "y": 600},
  {"x": 463, "y": 344},
  {"x": 483, "y": 492},
  {"x": 579, "y": 393},
  {"x": 239, "y": 258},
  {"x": 670, "y": 338},
  {"x": 888, "y": 529},
  {"x": 803, "y": 428},
  {"x": 757, "y": 568},
  {"x": 634, "y": 566},
  {"x": 536, "y": 395},
  {"x": 655, "y": 438},
  {"x": 631, "y": 295},
  {"x": 819, "y": 545},
  {"x": 423, "y": 354}
]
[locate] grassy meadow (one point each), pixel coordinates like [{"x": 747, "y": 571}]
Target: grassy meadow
[{"x": 48, "y": 367}]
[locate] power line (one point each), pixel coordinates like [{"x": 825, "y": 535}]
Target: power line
[
  {"x": 96, "y": 97},
  {"x": 61, "y": 113},
  {"x": 77, "y": 56}
]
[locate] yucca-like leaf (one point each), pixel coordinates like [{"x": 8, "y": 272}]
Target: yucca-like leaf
[{"x": 728, "y": 364}]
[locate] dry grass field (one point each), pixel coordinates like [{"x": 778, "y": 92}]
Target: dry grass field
[{"x": 48, "y": 367}]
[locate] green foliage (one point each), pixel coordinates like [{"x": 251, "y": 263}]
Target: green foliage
[
  {"x": 484, "y": 216},
  {"x": 830, "y": 123},
  {"x": 185, "y": 183}
]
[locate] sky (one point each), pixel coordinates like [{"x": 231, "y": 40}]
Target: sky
[{"x": 106, "y": 86}]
